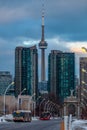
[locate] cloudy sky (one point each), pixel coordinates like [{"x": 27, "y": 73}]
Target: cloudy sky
[{"x": 20, "y": 24}]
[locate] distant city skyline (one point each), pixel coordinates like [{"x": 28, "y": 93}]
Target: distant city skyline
[{"x": 20, "y": 25}]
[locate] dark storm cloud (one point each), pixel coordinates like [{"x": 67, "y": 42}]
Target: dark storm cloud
[{"x": 68, "y": 19}]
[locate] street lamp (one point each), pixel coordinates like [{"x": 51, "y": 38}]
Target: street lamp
[
  {"x": 33, "y": 102},
  {"x": 37, "y": 105},
  {"x": 84, "y": 49},
  {"x": 45, "y": 107},
  {"x": 20, "y": 95},
  {"x": 40, "y": 105},
  {"x": 5, "y": 94},
  {"x": 22, "y": 91}
]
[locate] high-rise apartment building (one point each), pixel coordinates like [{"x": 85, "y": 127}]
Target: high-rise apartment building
[
  {"x": 83, "y": 80},
  {"x": 26, "y": 70},
  {"x": 5, "y": 80},
  {"x": 61, "y": 73}
]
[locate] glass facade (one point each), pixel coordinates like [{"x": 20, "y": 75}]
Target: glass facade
[
  {"x": 61, "y": 74},
  {"x": 83, "y": 81},
  {"x": 5, "y": 80},
  {"x": 26, "y": 70}
]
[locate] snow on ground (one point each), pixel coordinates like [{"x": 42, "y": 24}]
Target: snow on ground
[
  {"x": 6, "y": 118},
  {"x": 35, "y": 118},
  {"x": 2, "y": 119},
  {"x": 9, "y": 117},
  {"x": 81, "y": 124}
]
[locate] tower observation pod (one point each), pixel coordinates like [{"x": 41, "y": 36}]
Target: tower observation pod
[{"x": 43, "y": 46}]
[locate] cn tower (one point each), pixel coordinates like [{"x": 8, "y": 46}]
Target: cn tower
[{"x": 43, "y": 46}]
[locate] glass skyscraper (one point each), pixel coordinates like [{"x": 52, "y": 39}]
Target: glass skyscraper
[
  {"x": 61, "y": 74},
  {"x": 26, "y": 70}
]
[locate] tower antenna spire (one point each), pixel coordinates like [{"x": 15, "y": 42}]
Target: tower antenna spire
[
  {"x": 43, "y": 46},
  {"x": 43, "y": 12}
]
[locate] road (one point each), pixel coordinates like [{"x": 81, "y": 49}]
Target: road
[{"x": 53, "y": 124}]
